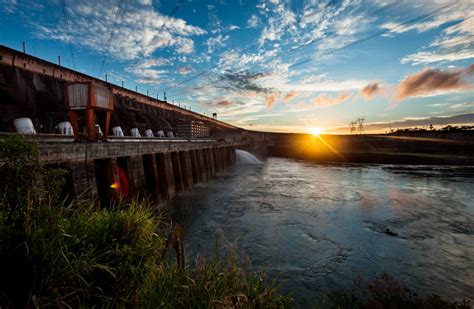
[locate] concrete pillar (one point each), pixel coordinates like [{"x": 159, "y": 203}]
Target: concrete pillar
[
  {"x": 107, "y": 180},
  {"x": 178, "y": 178},
  {"x": 211, "y": 163},
  {"x": 166, "y": 175},
  {"x": 203, "y": 166},
  {"x": 186, "y": 169},
  {"x": 150, "y": 175},
  {"x": 232, "y": 155},
  {"x": 219, "y": 164},
  {"x": 197, "y": 177},
  {"x": 136, "y": 175},
  {"x": 113, "y": 175},
  {"x": 215, "y": 157},
  {"x": 225, "y": 157},
  {"x": 83, "y": 179}
]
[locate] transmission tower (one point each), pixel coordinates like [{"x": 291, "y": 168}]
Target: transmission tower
[
  {"x": 352, "y": 125},
  {"x": 360, "y": 125}
]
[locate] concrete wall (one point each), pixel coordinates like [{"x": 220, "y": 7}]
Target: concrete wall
[{"x": 107, "y": 172}]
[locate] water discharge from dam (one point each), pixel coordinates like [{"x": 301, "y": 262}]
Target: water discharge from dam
[
  {"x": 244, "y": 157},
  {"x": 320, "y": 227}
]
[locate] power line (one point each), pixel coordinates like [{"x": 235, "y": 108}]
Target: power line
[
  {"x": 377, "y": 11},
  {"x": 68, "y": 32},
  {"x": 413, "y": 20},
  {"x": 112, "y": 34}
]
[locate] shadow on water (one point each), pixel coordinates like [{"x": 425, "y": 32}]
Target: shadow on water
[{"x": 319, "y": 227}]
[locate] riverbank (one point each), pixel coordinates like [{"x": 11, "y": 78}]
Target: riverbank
[{"x": 377, "y": 149}]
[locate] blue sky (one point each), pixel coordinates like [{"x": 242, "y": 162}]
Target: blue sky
[{"x": 271, "y": 64}]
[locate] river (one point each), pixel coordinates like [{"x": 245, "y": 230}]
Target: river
[{"x": 320, "y": 227}]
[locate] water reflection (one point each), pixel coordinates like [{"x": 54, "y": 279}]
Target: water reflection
[{"x": 319, "y": 227}]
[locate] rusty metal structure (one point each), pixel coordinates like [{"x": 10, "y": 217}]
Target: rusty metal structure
[{"x": 48, "y": 94}]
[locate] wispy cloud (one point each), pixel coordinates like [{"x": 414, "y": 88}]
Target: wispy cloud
[
  {"x": 290, "y": 96},
  {"x": 326, "y": 101},
  {"x": 271, "y": 99},
  {"x": 455, "y": 43}
]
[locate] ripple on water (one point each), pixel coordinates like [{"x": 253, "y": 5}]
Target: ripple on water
[{"x": 319, "y": 227}]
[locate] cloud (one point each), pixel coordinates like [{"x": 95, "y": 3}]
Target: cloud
[
  {"x": 243, "y": 82},
  {"x": 455, "y": 42},
  {"x": 185, "y": 70},
  {"x": 370, "y": 90},
  {"x": 149, "y": 71},
  {"x": 224, "y": 103},
  {"x": 253, "y": 21},
  {"x": 290, "y": 95},
  {"x": 282, "y": 21},
  {"x": 8, "y": 6},
  {"x": 465, "y": 105},
  {"x": 326, "y": 101},
  {"x": 216, "y": 42},
  {"x": 431, "y": 57},
  {"x": 431, "y": 81},
  {"x": 270, "y": 100},
  {"x": 449, "y": 14},
  {"x": 139, "y": 32}
]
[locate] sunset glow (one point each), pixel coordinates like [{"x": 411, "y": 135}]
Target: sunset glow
[{"x": 316, "y": 131}]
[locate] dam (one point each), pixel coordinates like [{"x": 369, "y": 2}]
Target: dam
[{"x": 165, "y": 149}]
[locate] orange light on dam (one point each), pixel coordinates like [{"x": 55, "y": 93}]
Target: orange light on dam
[{"x": 115, "y": 185}]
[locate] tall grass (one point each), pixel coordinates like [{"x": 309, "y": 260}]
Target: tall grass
[{"x": 79, "y": 255}]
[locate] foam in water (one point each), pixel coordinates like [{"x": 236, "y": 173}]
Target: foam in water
[{"x": 244, "y": 157}]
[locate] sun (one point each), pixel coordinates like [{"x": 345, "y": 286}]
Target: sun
[{"x": 315, "y": 131}]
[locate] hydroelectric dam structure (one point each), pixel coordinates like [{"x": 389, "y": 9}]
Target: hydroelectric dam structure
[{"x": 114, "y": 142}]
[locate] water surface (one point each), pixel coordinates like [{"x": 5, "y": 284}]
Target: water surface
[{"x": 320, "y": 227}]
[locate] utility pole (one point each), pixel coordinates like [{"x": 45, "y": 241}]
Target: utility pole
[
  {"x": 105, "y": 77},
  {"x": 59, "y": 60},
  {"x": 24, "y": 47}
]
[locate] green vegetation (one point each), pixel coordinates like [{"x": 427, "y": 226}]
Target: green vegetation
[
  {"x": 54, "y": 254},
  {"x": 76, "y": 255}
]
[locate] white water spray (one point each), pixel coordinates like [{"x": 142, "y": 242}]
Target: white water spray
[{"x": 244, "y": 157}]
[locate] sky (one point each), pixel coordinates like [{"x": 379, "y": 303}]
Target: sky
[{"x": 275, "y": 65}]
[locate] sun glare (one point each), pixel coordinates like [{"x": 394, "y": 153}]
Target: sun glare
[{"x": 315, "y": 131}]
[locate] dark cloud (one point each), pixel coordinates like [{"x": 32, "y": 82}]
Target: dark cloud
[
  {"x": 224, "y": 103},
  {"x": 431, "y": 80},
  {"x": 370, "y": 90},
  {"x": 243, "y": 82}
]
